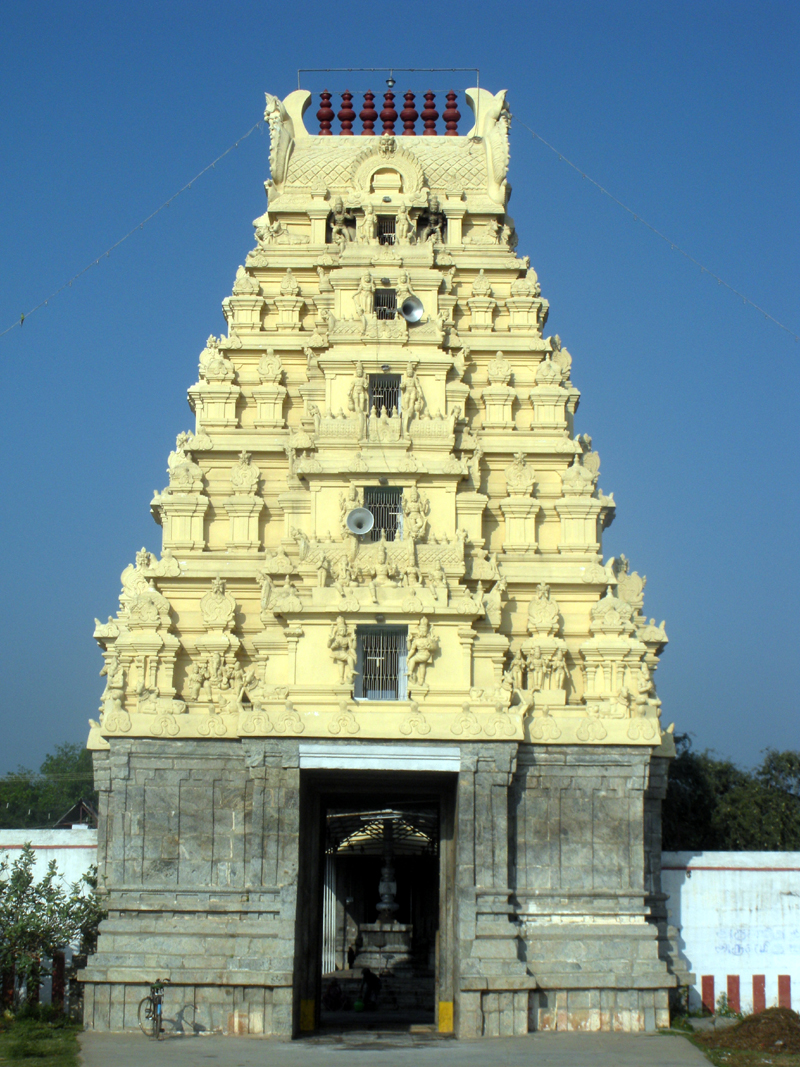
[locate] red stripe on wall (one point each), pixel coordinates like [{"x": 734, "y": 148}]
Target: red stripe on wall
[
  {"x": 734, "y": 999},
  {"x": 784, "y": 991},
  {"x": 708, "y": 992},
  {"x": 759, "y": 993}
]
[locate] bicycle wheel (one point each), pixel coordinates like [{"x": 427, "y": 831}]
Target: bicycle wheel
[{"x": 148, "y": 1019}]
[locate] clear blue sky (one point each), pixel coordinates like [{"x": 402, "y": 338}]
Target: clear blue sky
[{"x": 688, "y": 112}]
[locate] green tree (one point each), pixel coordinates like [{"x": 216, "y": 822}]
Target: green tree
[
  {"x": 39, "y": 917},
  {"x": 29, "y": 799},
  {"x": 713, "y": 805}
]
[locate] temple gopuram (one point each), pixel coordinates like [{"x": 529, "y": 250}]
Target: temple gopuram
[{"x": 379, "y": 727}]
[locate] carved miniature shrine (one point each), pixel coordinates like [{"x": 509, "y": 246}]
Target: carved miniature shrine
[{"x": 381, "y": 589}]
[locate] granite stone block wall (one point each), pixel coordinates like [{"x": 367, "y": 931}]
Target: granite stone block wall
[{"x": 555, "y": 885}]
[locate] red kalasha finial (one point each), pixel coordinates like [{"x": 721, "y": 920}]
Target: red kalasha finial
[
  {"x": 451, "y": 115},
  {"x": 369, "y": 115},
  {"x": 346, "y": 115},
  {"x": 409, "y": 116},
  {"x": 388, "y": 115},
  {"x": 325, "y": 114},
  {"x": 429, "y": 116}
]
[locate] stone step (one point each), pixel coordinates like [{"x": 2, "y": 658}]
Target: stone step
[{"x": 399, "y": 991}]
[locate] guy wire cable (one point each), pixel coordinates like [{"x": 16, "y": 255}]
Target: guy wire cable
[{"x": 638, "y": 218}]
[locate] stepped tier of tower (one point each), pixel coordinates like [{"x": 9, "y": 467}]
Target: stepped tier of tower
[{"x": 319, "y": 395}]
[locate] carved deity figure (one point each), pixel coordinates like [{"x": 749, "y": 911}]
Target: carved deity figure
[
  {"x": 402, "y": 227},
  {"x": 344, "y": 575},
  {"x": 347, "y": 502},
  {"x": 644, "y": 686},
  {"x": 195, "y": 680},
  {"x": 413, "y": 401},
  {"x": 536, "y": 666},
  {"x": 421, "y": 649},
  {"x": 342, "y": 223},
  {"x": 364, "y": 298},
  {"x": 342, "y": 645},
  {"x": 474, "y": 466},
  {"x": 414, "y": 521},
  {"x": 368, "y": 226},
  {"x": 516, "y": 669},
  {"x": 358, "y": 393},
  {"x": 434, "y": 222},
  {"x": 558, "y": 669},
  {"x": 323, "y": 571},
  {"x": 111, "y": 701},
  {"x": 316, "y": 415},
  {"x": 384, "y": 571},
  {"x": 403, "y": 288}
]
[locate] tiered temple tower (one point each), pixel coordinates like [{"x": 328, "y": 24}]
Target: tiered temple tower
[{"x": 385, "y": 350}]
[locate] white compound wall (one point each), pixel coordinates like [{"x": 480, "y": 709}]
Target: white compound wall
[{"x": 738, "y": 921}]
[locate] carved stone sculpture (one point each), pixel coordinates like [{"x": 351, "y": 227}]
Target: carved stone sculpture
[
  {"x": 520, "y": 478},
  {"x": 422, "y": 646},
  {"x": 364, "y": 299},
  {"x": 218, "y": 607},
  {"x": 245, "y": 284},
  {"x": 342, "y": 646},
  {"x": 342, "y": 222},
  {"x": 412, "y": 399},
  {"x": 414, "y": 509}
]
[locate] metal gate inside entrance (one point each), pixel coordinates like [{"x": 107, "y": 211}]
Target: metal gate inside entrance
[{"x": 374, "y": 929}]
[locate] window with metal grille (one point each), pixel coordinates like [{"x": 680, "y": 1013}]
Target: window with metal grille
[
  {"x": 387, "y": 507},
  {"x": 386, "y": 229},
  {"x": 384, "y": 392},
  {"x": 386, "y": 303},
  {"x": 381, "y": 664}
]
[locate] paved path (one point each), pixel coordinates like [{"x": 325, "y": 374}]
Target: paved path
[{"x": 400, "y": 1050}]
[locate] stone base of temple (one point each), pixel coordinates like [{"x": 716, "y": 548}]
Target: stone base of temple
[
  {"x": 210, "y": 884},
  {"x": 628, "y": 1010},
  {"x": 192, "y": 1009}
]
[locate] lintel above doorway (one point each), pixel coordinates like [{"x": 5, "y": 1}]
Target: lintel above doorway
[{"x": 338, "y": 756}]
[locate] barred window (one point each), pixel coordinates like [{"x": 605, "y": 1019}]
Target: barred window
[
  {"x": 386, "y": 303},
  {"x": 384, "y": 392},
  {"x": 381, "y": 664},
  {"x": 386, "y": 229},
  {"x": 386, "y": 506}
]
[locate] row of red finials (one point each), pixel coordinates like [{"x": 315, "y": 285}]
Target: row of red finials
[
  {"x": 388, "y": 116},
  {"x": 734, "y": 995}
]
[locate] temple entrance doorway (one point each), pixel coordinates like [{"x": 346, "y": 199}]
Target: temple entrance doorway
[{"x": 375, "y": 901}]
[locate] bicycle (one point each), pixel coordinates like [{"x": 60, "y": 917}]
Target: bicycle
[{"x": 151, "y": 1009}]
